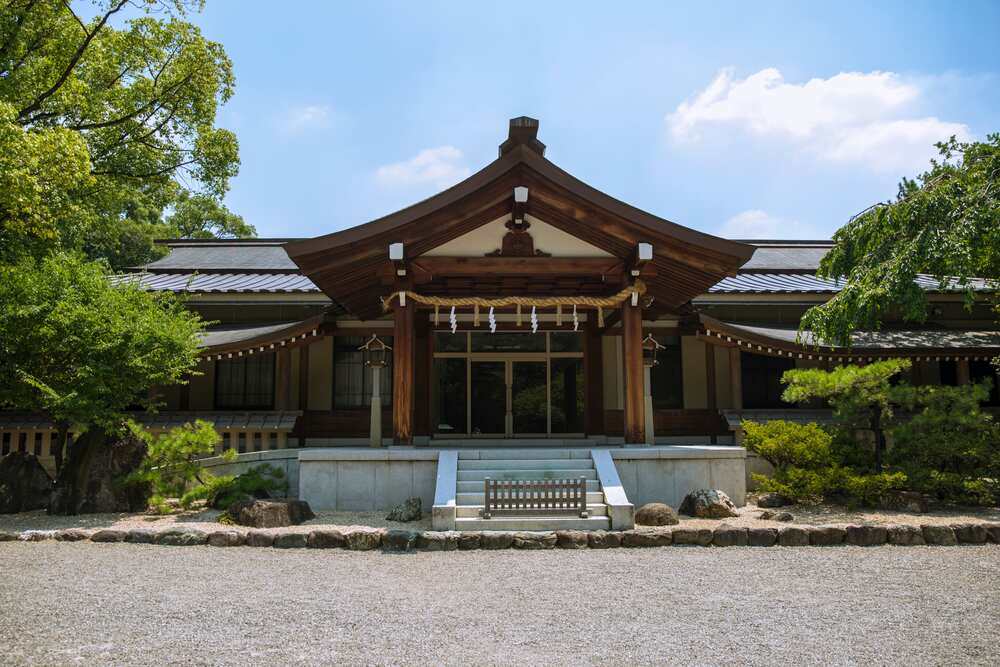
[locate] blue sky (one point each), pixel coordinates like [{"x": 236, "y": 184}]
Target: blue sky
[{"x": 748, "y": 120}]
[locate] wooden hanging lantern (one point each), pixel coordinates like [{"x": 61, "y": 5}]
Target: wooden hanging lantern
[
  {"x": 375, "y": 352},
  {"x": 650, "y": 346}
]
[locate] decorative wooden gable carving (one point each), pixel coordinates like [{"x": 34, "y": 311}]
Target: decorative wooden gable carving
[{"x": 517, "y": 242}]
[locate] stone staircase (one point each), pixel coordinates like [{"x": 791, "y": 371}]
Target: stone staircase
[{"x": 474, "y": 466}]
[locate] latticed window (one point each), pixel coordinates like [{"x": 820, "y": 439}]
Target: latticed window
[
  {"x": 245, "y": 383},
  {"x": 352, "y": 382}
]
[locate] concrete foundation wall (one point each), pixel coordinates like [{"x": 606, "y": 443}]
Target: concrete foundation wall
[
  {"x": 366, "y": 480},
  {"x": 287, "y": 460},
  {"x": 667, "y": 474}
]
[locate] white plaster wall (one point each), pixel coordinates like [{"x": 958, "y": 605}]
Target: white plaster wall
[
  {"x": 693, "y": 370},
  {"x": 489, "y": 237},
  {"x": 723, "y": 384},
  {"x": 321, "y": 374}
]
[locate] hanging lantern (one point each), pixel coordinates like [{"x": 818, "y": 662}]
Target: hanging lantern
[
  {"x": 650, "y": 346},
  {"x": 375, "y": 352}
]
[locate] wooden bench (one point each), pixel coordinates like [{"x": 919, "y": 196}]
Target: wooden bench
[{"x": 534, "y": 497}]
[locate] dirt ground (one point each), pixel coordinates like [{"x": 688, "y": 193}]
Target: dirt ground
[{"x": 749, "y": 516}]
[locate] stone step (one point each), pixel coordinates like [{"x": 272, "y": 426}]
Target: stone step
[
  {"x": 535, "y": 523},
  {"x": 521, "y": 474},
  {"x": 524, "y": 464},
  {"x": 520, "y": 454},
  {"x": 472, "y": 511},
  {"x": 478, "y": 497},
  {"x": 474, "y": 486},
  {"x": 512, "y": 443}
]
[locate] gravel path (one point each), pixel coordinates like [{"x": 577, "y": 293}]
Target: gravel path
[{"x": 64, "y": 603}]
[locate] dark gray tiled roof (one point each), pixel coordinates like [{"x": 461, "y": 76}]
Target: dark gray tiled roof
[
  {"x": 887, "y": 339},
  {"x": 228, "y": 334},
  {"x": 235, "y": 256},
  {"x": 201, "y": 283},
  {"x": 797, "y": 283},
  {"x": 786, "y": 256}
]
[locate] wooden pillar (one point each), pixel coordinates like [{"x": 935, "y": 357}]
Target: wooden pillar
[
  {"x": 303, "y": 389},
  {"x": 283, "y": 395},
  {"x": 962, "y": 375},
  {"x": 736, "y": 378},
  {"x": 635, "y": 419},
  {"x": 423, "y": 358},
  {"x": 593, "y": 373},
  {"x": 402, "y": 374}
]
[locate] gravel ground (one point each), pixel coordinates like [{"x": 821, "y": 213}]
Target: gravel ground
[{"x": 90, "y": 603}]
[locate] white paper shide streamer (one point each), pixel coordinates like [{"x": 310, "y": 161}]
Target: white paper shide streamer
[
  {"x": 493, "y": 321},
  {"x": 576, "y": 320},
  {"x": 453, "y": 320},
  {"x": 534, "y": 320}
]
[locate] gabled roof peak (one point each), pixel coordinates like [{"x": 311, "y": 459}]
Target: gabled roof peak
[{"x": 523, "y": 131}]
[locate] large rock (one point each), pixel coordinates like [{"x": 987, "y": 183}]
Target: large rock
[
  {"x": 708, "y": 504},
  {"x": 270, "y": 513},
  {"x": 603, "y": 539},
  {"x": 993, "y": 532},
  {"x": 440, "y": 540},
  {"x": 225, "y": 538},
  {"x": 91, "y": 476},
  {"x": 534, "y": 540},
  {"x": 970, "y": 533},
  {"x": 141, "y": 536},
  {"x": 939, "y": 535},
  {"x": 399, "y": 539},
  {"x": 109, "y": 535},
  {"x": 763, "y": 537},
  {"x": 409, "y": 510},
  {"x": 867, "y": 536},
  {"x": 362, "y": 538},
  {"x": 72, "y": 535},
  {"x": 327, "y": 539},
  {"x": 905, "y": 535},
  {"x": 571, "y": 539},
  {"x": 730, "y": 536},
  {"x": 467, "y": 541},
  {"x": 793, "y": 536},
  {"x": 647, "y": 538},
  {"x": 7, "y": 537},
  {"x": 496, "y": 539},
  {"x": 291, "y": 541},
  {"x": 826, "y": 536},
  {"x": 24, "y": 484},
  {"x": 701, "y": 537},
  {"x": 259, "y": 538},
  {"x": 773, "y": 500},
  {"x": 181, "y": 537},
  {"x": 656, "y": 514}
]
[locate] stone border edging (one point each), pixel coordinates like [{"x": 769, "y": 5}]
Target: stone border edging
[{"x": 396, "y": 539}]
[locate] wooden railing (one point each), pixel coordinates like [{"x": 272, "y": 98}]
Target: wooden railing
[{"x": 534, "y": 497}]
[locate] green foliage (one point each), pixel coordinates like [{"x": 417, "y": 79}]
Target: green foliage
[
  {"x": 944, "y": 223},
  {"x": 852, "y": 391},
  {"x": 172, "y": 458},
  {"x": 220, "y": 492},
  {"x": 788, "y": 444},
  {"x": 867, "y": 489},
  {"x": 948, "y": 446},
  {"x": 84, "y": 349},
  {"x": 108, "y": 123}
]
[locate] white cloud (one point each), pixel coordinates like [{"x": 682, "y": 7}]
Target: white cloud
[
  {"x": 851, "y": 117},
  {"x": 302, "y": 118},
  {"x": 441, "y": 167},
  {"x": 757, "y": 224}
]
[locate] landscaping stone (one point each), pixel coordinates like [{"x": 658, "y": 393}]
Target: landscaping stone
[
  {"x": 275, "y": 513},
  {"x": 647, "y": 538},
  {"x": 867, "y": 536},
  {"x": 970, "y": 533},
  {"x": 496, "y": 539},
  {"x": 692, "y": 536},
  {"x": 225, "y": 538},
  {"x": 24, "y": 484},
  {"x": 259, "y": 538},
  {"x": 469, "y": 541},
  {"x": 826, "y": 536},
  {"x": 408, "y": 510},
  {"x": 904, "y": 501},
  {"x": 939, "y": 535},
  {"x": 656, "y": 514},
  {"x": 36, "y": 535},
  {"x": 534, "y": 540},
  {"x": 773, "y": 500},
  {"x": 439, "y": 540},
  {"x": 603, "y": 539},
  {"x": 109, "y": 535},
  {"x": 571, "y": 539},
  {"x": 762, "y": 537},
  {"x": 905, "y": 535},
  {"x": 783, "y": 516},
  {"x": 793, "y": 536},
  {"x": 140, "y": 536},
  {"x": 327, "y": 539},
  {"x": 730, "y": 536},
  {"x": 181, "y": 538},
  {"x": 90, "y": 478},
  {"x": 71, "y": 535},
  {"x": 708, "y": 504},
  {"x": 291, "y": 541},
  {"x": 993, "y": 532},
  {"x": 399, "y": 539},
  {"x": 361, "y": 538},
  {"x": 7, "y": 537}
]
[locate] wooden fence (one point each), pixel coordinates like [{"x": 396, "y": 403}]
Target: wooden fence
[{"x": 534, "y": 497}]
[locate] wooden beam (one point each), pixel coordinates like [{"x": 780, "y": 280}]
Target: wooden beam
[
  {"x": 736, "y": 378},
  {"x": 402, "y": 373},
  {"x": 593, "y": 373},
  {"x": 303, "y": 386},
  {"x": 609, "y": 267},
  {"x": 423, "y": 359},
  {"x": 635, "y": 424}
]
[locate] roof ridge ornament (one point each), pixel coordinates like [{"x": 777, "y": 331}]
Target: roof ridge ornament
[{"x": 523, "y": 131}]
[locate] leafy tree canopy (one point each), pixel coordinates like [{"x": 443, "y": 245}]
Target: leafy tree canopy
[
  {"x": 85, "y": 350},
  {"x": 945, "y": 223},
  {"x": 107, "y": 129}
]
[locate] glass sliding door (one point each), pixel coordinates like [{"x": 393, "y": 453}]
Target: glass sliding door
[
  {"x": 488, "y": 397},
  {"x": 450, "y": 404},
  {"x": 567, "y": 395},
  {"x": 529, "y": 398}
]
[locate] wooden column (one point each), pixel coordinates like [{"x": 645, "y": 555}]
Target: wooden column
[
  {"x": 736, "y": 378},
  {"x": 962, "y": 375},
  {"x": 423, "y": 355},
  {"x": 593, "y": 373},
  {"x": 283, "y": 395},
  {"x": 402, "y": 374},
  {"x": 635, "y": 418},
  {"x": 303, "y": 389}
]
